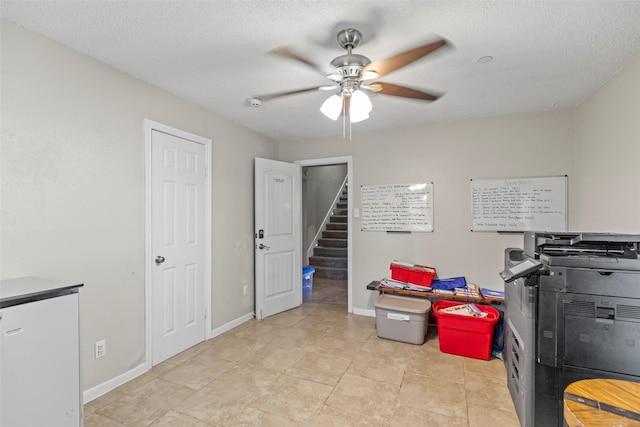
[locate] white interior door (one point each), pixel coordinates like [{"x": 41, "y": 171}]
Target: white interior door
[
  {"x": 178, "y": 182},
  {"x": 278, "y": 237}
]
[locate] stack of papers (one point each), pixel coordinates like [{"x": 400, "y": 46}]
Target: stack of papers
[
  {"x": 492, "y": 294},
  {"x": 465, "y": 310},
  {"x": 396, "y": 284}
]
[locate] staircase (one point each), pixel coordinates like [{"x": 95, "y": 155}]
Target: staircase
[{"x": 330, "y": 255}]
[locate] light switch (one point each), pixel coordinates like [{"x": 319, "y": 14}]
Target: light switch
[{"x": 356, "y": 213}]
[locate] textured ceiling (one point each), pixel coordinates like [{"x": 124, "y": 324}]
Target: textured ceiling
[{"x": 547, "y": 55}]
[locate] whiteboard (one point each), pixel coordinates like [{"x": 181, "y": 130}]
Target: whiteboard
[
  {"x": 519, "y": 204},
  {"x": 397, "y": 207}
]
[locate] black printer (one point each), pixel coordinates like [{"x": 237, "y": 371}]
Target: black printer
[{"x": 572, "y": 312}]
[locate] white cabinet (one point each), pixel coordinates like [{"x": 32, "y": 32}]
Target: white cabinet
[{"x": 39, "y": 354}]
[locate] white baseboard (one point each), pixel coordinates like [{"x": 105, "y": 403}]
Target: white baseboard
[
  {"x": 362, "y": 312},
  {"x": 107, "y": 386},
  {"x": 228, "y": 326}
]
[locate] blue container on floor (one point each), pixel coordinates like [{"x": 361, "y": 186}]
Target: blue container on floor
[{"x": 307, "y": 281}]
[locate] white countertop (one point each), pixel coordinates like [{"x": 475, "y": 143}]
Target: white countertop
[{"x": 15, "y": 291}]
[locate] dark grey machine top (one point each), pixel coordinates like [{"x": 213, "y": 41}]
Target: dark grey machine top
[{"x": 29, "y": 289}]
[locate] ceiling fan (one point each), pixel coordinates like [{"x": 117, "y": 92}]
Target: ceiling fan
[{"x": 351, "y": 74}]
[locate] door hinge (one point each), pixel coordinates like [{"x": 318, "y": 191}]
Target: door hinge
[{"x": 205, "y": 313}]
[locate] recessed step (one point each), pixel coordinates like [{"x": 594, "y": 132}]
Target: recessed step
[
  {"x": 335, "y": 234},
  {"x": 330, "y": 252},
  {"x": 332, "y": 243},
  {"x": 341, "y": 212},
  {"x": 337, "y": 226},
  {"x": 331, "y": 273},
  {"x": 323, "y": 261},
  {"x": 338, "y": 218}
]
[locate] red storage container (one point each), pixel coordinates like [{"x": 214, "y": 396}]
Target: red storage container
[
  {"x": 465, "y": 335},
  {"x": 416, "y": 274}
]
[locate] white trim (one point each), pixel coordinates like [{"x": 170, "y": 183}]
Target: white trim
[
  {"x": 364, "y": 312},
  {"x": 349, "y": 161},
  {"x": 107, "y": 386},
  {"x": 150, "y": 126},
  {"x": 230, "y": 325}
]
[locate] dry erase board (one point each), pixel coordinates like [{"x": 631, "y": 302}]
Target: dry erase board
[
  {"x": 519, "y": 204},
  {"x": 397, "y": 207}
]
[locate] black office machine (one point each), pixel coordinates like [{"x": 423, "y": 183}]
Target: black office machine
[{"x": 572, "y": 312}]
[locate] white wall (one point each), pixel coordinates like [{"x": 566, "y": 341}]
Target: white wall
[
  {"x": 608, "y": 155},
  {"x": 449, "y": 154},
  {"x": 73, "y": 190}
]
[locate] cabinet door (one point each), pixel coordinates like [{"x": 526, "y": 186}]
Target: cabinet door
[{"x": 40, "y": 364}]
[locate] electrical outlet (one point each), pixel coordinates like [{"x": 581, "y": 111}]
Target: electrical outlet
[
  {"x": 245, "y": 290},
  {"x": 100, "y": 348}
]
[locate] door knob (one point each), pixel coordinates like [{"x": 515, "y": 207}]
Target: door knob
[
  {"x": 159, "y": 260},
  {"x": 261, "y": 246}
]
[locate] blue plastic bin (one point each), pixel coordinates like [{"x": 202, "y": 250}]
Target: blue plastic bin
[{"x": 307, "y": 281}]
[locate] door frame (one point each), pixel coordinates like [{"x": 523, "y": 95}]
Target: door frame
[
  {"x": 149, "y": 127},
  {"x": 349, "y": 161}
]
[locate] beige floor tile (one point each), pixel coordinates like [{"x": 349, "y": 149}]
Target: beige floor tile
[
  {"x": 333, "y": 417},
  {"x": 492, "y": 368},
  {"x": 141, "y": 380},
  {"x": 96, "y": 420},
  {"x": 281, "y": 371},
  {"x": 364, "y": 396},
  {"x": 196, "y": 374},
  {"x": 234, "y": 349},
  {"x": 488, "y": 392},
  {"x": 279, "y": 354},
  {"x": 322, "y": 317},
  {"x": 431, "y": 362},
  {"x": 383, "y": 347},
  {"x": 351, "y": 329},
  {"x": 304, "y": 332},
  {"x": 480, "y": 416},
  {"x": 336, "y": 346},
  {"x": 189, "y": 353},
  {"x": 381, "y": 368},
  {"x": 406, "y": 416},
  {"x": 175, "y": 419},
  {"x": 320, "y": 368},
  {"x": 148, "y": 403},
  {"x": 252, "y": 417},
  {"x": 227, "y": 397},
  {"x": 293, "y": 398},
  {"x": 439, "y": 395},
  {"x": 257, "y": 331},
  {"x": 102, "y": 401}
]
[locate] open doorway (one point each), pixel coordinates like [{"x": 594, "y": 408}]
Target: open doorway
[{"x": 326, "y": 229}]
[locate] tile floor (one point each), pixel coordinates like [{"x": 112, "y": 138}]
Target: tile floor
[{"x": 315, "y": 365}]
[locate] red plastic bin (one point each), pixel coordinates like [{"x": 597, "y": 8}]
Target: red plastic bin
[
  {"x": 417, "y": 275},
  {"x": 465, "y": 335}
]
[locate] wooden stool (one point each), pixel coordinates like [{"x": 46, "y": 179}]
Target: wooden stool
[{"x": 602, "y": 403}]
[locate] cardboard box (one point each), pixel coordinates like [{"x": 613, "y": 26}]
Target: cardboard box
[{"x": 402, "y": 318}]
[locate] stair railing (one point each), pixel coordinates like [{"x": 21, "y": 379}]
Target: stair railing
[{"x": 333, "y": 206}]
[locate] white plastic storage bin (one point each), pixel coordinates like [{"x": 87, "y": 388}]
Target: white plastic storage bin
[{"x": 402, "y": 318}]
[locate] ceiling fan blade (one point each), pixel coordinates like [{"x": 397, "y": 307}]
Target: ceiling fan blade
[
  {"x": 402, "y": 91},
  {"x": 272, "y": 96},
  {"x": 378, "y": 69},
  {"x": 288, "y": 53}
]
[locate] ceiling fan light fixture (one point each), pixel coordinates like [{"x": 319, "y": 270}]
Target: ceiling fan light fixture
[
  {"x": 332, "y": 107},
  {"x": 360, "y": 106}
]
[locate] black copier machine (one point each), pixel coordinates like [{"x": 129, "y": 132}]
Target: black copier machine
[{"x": 572, "y": 312}]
